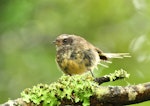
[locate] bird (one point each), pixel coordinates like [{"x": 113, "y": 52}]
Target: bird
[{"x": 75, "y": 55}]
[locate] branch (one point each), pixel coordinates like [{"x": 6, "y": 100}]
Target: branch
[
  {"x": 82, "y": 90},
  {"x": 119, "y": 96},
  {"x": 121, "y": 74}
]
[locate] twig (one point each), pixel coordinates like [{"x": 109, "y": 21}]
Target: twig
[{"x": 118, "y": 74}]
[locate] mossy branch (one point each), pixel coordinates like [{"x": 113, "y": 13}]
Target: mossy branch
[
  {"x": 121, "y": 74},
  {"x": 83, "y": 90}
]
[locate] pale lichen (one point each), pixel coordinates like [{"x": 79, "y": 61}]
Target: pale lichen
[
  {"x": 101, "y": 91},
  {"x": 131, "y": 94},
  {"x": 141, "y": 88}
]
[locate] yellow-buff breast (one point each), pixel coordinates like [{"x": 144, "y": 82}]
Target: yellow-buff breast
[{"x": 72, "y": 67}]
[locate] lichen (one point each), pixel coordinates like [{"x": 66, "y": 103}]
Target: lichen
[
  {"x": 141, "y": 88},
  {"x": 131, "y": 94},
  {"x": 118, "y": 74},
  {"x": 101, "y": 91},
  {"x": 76, "y": 88}
]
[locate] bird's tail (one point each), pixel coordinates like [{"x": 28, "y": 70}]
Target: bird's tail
[
  {"x": 106, "y": 56},
  {"x": 115, "y": 55}
]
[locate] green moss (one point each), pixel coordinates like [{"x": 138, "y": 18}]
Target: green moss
[
  {"x": 118, "y": 74},
  {"x": 76, "y": 88}
]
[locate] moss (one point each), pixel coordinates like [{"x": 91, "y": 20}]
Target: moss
[
  {"x": 76, "y": 88},
  {"x": 118, "y": 74}
]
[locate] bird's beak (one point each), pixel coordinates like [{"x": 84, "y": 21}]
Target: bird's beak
[{"x": 56, "y": 42}]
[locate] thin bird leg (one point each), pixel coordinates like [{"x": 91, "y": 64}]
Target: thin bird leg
[{"x": 92, "y": 74}]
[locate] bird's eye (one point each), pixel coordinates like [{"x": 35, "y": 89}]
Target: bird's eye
[{"x": 65, "y": 41}]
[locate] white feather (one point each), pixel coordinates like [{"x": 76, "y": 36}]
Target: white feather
[
  {"x": 116, "y": 55},
  {"x": 103, "y": 65}
]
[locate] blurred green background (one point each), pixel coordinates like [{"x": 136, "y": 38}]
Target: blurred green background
[{"x": 27, "y": 28}]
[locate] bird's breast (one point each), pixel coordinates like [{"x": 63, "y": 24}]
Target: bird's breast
[{"x": 75, "y": 61}]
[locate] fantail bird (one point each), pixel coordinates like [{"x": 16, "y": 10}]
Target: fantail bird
[{"x": 75, "y": 55}]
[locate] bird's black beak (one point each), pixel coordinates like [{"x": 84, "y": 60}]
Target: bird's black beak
[
  {"x": 57, "y": 42},
  {"x": 54, "y": 42}
]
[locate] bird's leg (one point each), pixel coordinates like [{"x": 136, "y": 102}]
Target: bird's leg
[{"x": 92, "y": 74}]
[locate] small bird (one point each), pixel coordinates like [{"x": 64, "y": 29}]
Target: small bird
[{"x": 75, "y": 55}]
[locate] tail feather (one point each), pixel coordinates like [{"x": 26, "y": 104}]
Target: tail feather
[
  {"x": 106, "y": 56},
  {"x": 116, "y": 55}
]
